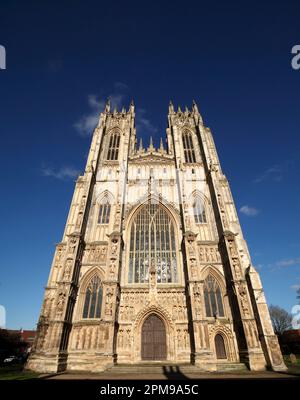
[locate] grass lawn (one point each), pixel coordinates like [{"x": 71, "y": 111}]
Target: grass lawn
[{"x": 15, "y": 372}]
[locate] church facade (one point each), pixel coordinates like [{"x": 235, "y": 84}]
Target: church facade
[{"x": 153, "y": 266}]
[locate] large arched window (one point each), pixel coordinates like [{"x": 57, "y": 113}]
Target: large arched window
[
  {"x": 188, "y": 147},
  {"x": 213, "y": 298},
  {"x": 199, "y": 211},
  {"x": 104, "y": 211},
  {"x": 113, "y": 147},
  {"x": 93, "y": 299},
  {"x": 152, "y": 242}
]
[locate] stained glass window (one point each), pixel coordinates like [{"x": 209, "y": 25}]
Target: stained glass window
[
  {"x": 93, "y": 299},
  {"x": 152, "y": 241},
  {"x": 188, "y": 147},
  {"x": 213, "y": 298}
]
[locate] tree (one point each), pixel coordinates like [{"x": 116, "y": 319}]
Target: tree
[{"x": 281, "y": 319}]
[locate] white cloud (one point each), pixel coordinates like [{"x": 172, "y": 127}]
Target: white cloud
[
  {"x": 288, "y": 262},
  {"x": 249, "y": 211},
  {"x": 295, "y": 287},
  {"x": 87, "y": 123},
  {"x": 63, "y": 173},
  {"x": 143, "y": 124},
  {"x": 276, "y": 172}
]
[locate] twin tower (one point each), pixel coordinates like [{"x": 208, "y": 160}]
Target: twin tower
[{"x": 153, "y": 266}]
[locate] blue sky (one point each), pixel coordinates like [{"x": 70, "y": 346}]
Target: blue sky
[{"x": 64, "y": 59}]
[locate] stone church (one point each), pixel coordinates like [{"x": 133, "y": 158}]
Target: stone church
[{"x": 153, "y": 266}]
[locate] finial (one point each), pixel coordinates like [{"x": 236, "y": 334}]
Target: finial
[
  {"x": 161, "y": 146},
  {"x": 179, "y": 109},
  {"x": 151, "y": 147},
  {"x": 171, "y": 107},
  {"x": 141, "y": 145},
  {"x": 107, "y": 105},
  {"x": 195, "y": 107}
]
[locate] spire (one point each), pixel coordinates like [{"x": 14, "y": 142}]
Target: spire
[
  {"x": 107, "y": 105},
  {"x": 186, "y": 109},
  {"x": 141, "y": 148},
  {"x": 161, "y": 146},
  {"x": 131, "y": 107},
  {"x": 171, "y": 107},
  {"x": 179, "y": 109},
  {"x": 195, "y": 107},
  {"x": 151, "y": 147}
]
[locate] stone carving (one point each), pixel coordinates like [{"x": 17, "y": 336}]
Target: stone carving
[
  {"x": 112, "y": 270},
  {"x": 109, "y": 302},
  {"x": 242, "y": 292},
  {"x": 60, "y": 303},
  {"x": 72, "y": 245},
  {"x": 95, "y": 253},
  {"x": 68, "y": 269},
  {"x": 79, "y": 220},
  {"x": 182, "y": 338},
  {"x": 59, "y": 253},
  {"x": 209, "y": 254},
  {"x": 193, "y": 266},
  {"x": 82, "y": 203}
]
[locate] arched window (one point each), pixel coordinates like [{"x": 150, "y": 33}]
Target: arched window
[
  {"x": 199, "y": 211},
  {"x": 93, "y": 299},
  {"x": 213, "y": 298},
  {"x": 104, "y": 211},
  {"x": 152, "y": 242},
  {"x": 188, "y": 147},
  {"x": 113, "y": 148},
  {"x": 220, "y": 347}
]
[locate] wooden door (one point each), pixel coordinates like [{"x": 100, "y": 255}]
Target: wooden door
[
  {"x": 154, "y": 339},
  {"x": 220, "y": 347}
]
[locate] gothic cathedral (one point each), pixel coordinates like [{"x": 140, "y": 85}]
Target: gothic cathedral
[{"x": 153, "y": 266}]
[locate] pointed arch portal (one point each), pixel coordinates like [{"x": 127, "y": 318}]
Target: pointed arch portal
[{"x": 154, "y": 346}]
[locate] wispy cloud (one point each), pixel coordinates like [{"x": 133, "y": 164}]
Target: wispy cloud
[
  {"x": 249, "y": 211},
  {"x": 96, "y": 103},
  {"x": 87, "y": 123},
  {"x": 288, "y": 262},
  {"x": 143, "y": 124},
  {"x": 295, "y": 287},
  {"x": 274, "y": 173},
  {"x": 64, "y": 173}
]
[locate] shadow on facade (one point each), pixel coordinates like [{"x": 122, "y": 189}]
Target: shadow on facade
[{"x": 173, "y": 372}]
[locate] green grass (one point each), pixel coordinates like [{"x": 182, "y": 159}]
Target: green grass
[
  {"x": 293, "y": 368},
  {"x": 16, "y": 372}
]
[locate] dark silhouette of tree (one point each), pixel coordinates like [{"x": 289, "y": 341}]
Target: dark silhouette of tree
[
  {"x": 9, "y": 341},
  {"x": 281, "y": 319}
]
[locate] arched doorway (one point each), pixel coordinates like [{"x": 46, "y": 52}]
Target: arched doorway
[
  {"x": 220, "y": 347},
  {"x": 154, "y": 345}
]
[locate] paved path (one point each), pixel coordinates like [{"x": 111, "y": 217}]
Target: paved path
[{"x": 156, "y": 376}]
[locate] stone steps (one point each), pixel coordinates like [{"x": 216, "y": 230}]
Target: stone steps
[
  {"x": 231, "y": 367},
  {"x": 170, "y": 368}
]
